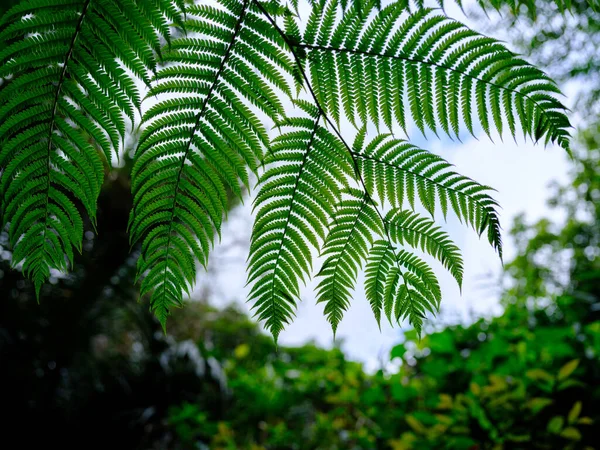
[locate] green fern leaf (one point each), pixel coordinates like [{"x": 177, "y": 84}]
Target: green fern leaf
[
  {"x": 414, "y": 57},
  {"x": 401, "y": 173},
  {"x": 401, "y": 285},
  {"x": 307, "y": 170},
  {"x": 202, "y": 142},
  {"x": 422, "y": 233},
  {"x": 346, "y": 246},
  {"x": 70, "y": 78},
  {"x": 63, "y": 103}
]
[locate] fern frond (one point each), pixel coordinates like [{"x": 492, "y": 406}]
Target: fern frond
[
  {"x": 400, "y": 173},
  {"x": 351, "y": 233},
  {"x": 201, "y": 142},
  {"x": 419, "y": 232},
  {"x": 379, "y": 264},
  {"x": 69, "y": 85},
  {"x": 307, "y": 170},
  {"x": 369, "y": 65},
  {"x": 63, "y": 102}
]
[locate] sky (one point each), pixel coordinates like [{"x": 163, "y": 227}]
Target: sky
[{"x": 520, "y": 172}]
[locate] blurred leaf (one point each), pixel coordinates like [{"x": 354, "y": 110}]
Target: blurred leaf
[
  {"x": 569, "y": 384},
  {"x": 571, "y": 433},
  {"x": 397, "y": 351},
  {"x": 567, "y": 369},
  {"x": 241, "y": 351},
  {"x": 539, "y": 374},
  {"x": 556, "y": 424},
  {"x": 443, "y": 419},
  {"x": 416, "y": 425},
  {"x": 445, "y": 401},
  {"x": 518, "y": 438},
  {"x": 442, "y": 342},
  {"x": 574, "y": 413},
  {"x": 538, "y": 403},
  {"x": 411, "y": 335}
]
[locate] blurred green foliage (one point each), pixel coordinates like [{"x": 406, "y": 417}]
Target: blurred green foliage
[{"x": 527, "y": 379}]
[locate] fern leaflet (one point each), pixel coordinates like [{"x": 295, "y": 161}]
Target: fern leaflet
[{"x": 63, "y": 104}]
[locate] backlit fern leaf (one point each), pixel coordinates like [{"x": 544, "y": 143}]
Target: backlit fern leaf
[
  {"x": 63, "y": 101},
  {"x": 379, "y": 263},
  {"x": 70, "y": 75},
  {"x": 370, "y": 64},
  {"x": 400, "y": 173},
  {"x": 401, "y": 285},
  {"x": 346, "y": 246},
  {"x": 201, "y": 142},
  {"x": 422, "y": 233},
  {"x": 306, "y": 172}
]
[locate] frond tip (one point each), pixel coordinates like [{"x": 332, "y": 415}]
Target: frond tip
[{"x": 401, "y": 285}]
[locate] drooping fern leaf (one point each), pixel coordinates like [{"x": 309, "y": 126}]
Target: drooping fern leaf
[
  {"x": 397, "y": 280},
  {"x": 401, "y": 285},
  {"x": 64, "y": 97},
  {"x": 371, "y": 64},
  {"x": 401, "y": 174},
  {"x": 351, "y": 232},
  {"x": 422, "y": 233},
  {"x": 201, "y": 142},
  {"x": 306, "y": 172}
]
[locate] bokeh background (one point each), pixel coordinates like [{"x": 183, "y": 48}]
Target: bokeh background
[{"x": 511, "y": 362}]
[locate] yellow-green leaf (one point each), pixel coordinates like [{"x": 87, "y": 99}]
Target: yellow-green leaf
[
  {"x": 574, "y": 413},
  {"x": 538, "y": 374},
  {"x": 555, "y": 424},
  {"x": 567, "y": 369},
  {"x": 415, "y": 424},
  {"x": 569, "y": 383},
  {"x": 538, "y": 403},
  {"x": 571, "y": 433},
  {"x": 241, "y": 351},
  {"x": 445, "y": 401}
]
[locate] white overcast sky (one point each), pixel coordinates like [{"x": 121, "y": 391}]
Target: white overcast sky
[{"x": 520, "y": 173}]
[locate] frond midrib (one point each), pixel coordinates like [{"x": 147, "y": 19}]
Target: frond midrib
[
  {"x": 309, "y": 147},
  {"x": 59, "y": 87}
]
